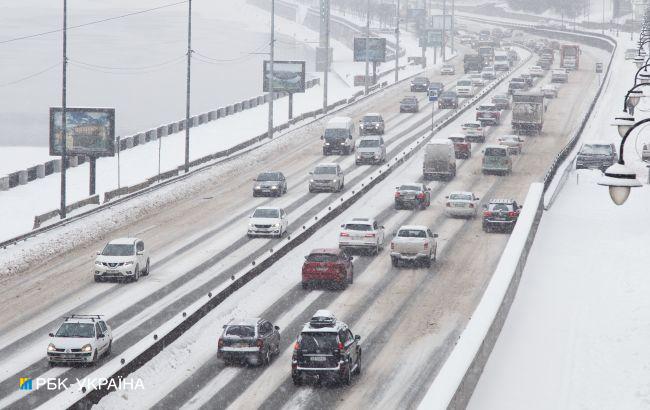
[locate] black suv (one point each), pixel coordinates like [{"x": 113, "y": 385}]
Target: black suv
[
  {"x": 371, "y": 124},
  {"x": 448, "y": 99},
  {"x": 326, "y": 350},
  {"x": 500, "y": 215},
  {"x": 596, "y": 156},
  {"x": 420, "y": 84}
]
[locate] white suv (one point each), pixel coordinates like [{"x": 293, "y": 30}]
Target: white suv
[
  {"x": 362, "y": 233},
  {"x": 267, "y": 221},
  {"x": 80, "y": 339},
  {"x": 124, "y": 258}
]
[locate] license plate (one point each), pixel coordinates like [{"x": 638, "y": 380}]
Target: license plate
[
  {"x": 409, "y": 196},
  {"x": 459, "y": 205},
  {"x": 240, "y": 345},
  {"x": 318, "y": 359},
  {"x": 111, "y": 271},
  {"x": 321, "y": 268},
  {"x": 68, "y": 356}
]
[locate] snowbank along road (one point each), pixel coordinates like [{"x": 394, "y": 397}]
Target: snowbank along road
[{"x": 408, "y": 318}]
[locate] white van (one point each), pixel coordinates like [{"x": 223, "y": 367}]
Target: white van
[
  {"x": 439, "y": 159},
  {"x": 464, "y": 87},
  {"x": 338, "y": 136}
]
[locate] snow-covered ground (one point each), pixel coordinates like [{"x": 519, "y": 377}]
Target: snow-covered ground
[
  {"x": 19, "y": 205},
  {"x": 577, "y": 331}
]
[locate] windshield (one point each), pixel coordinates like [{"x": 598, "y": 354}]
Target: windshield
[
  {"x": 409, "y": 188},
  {"x": 420, "y": 80},
  {"x": 371, "y": 118},
  {"x": 86, "y": 330},
  {"x": 358, "y": 227},
  {"x": 462, "y": 83},
  {"x": 435, "y": 85},
  {"x": 336, "y": 133},
  {"x": 269, "y": 176},
  {"x": 368, "y": 143},
  {"x": 463, "y": 197},
  {"x": 325, "y": 170},
  {"x": 495, "y": 152},
  {"x": 118, "y": 250},
  {"x": 240, "y": 331},
  {"x": 471, "y": 125},
  {"x": 323, "y": 342},
  {"x": 411, "y": 233},
  {"x": 266, "y": 213},
  {"x": 500, "y": 58},
  {"x": 487, "y": 108},
  {"x": 500, "y": 207},
  {"x": 596, "y": 149},
  {"x": 409, "y": 99},
  {"x": 322, "y": 257},
  {"x": 448, "y": 95}
]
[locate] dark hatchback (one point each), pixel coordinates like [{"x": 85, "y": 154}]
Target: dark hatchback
[
  {"x": 412, "y": 196},
  {"x": 500, "y": 215},
  {"x": 448, "y": 99},
  {"x": 596, "y": 156},
  {"x": 420, "y": 84},
  {"x": 270, "y": 184},
  {"x": 249, "y": 340}
]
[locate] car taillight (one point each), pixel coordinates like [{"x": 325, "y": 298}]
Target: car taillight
[
  {"x": 344, "y": 234},
  {"x": 260, "y": 343},
  {"x": 448, "y": 204},
  {"x": 392, "y": 246},
  {"x": 512, "y": 214},
  {"x": 296, "y": 346},
  {"x": 220, "y": 343},
  {"x": 370, "y": 235},
  {"x": 420, "y": 195},
  {"x": 471, "y": 205},
  {"x": 487, "y": 213},
  {"x": 397, "y": 194},
  {"x": 340, "y": 346},
  {"x": 426, "y": 245}
]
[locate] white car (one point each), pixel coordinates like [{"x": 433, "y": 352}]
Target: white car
[
  {"x": 414, "y": 243},
  {"x": 549, "y": 91},
  {"x": 536, "y": 71},
  {"x": 447, "y": 69},
  {"x": 461, "y": 204},
  {"x": 464, "y": 88},
  {"x": 362, "y": 233},
  {"x": 267, "y": 221},
  {"x": 123, "y": 258},
  {"x": 488, "y": 74},
  {"x": 473, "y": 131},
  {"x": 477, "y": 80},
  {"x": 80, "y": 339},
  {"x": 327, "y": 177},
  {"x": 514, "y": 143}
]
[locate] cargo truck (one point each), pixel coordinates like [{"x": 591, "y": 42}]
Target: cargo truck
[
  {"x": 472, "y": 62},
  {"x": 570, "y": 56},
  {"x": 527, "y": 112},
  {"x": 439, "y": 160}
]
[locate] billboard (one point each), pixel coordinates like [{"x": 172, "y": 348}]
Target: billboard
[
  {"x": 376, "y": 49},
  {"x": 436, "y": 22},
  {"x": 89, "y": 131},
  {"x": 288, "y": 76},
  {"x": 431, "y": 38},
  {"x": 415, "y": 14}
]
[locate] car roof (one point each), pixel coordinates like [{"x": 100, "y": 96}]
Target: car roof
[
  {"x": 360, "y": 221},
  {"x": 250, "y": 321},
  {"x": 414, "y": 227},
  {"x": 439, "y": 141},
  {"x": 82, "y": 318},
  {"x": 501, "y": 201},
  {"x": 471, "y": 122},
  {"x": 326, "y": 164},
  {"x": 487, "y": 105},
  {"x": 268, "y": 207},
  {"x": 323, "y": 321},
  {"x": 341, "y": 121},
  {"x": 456, "y": 135},
  {"x": 370, "y": 137},
  {"x": 460, "y": 193},
  {"x": 412, "y": 183},
  {"x": 123, "y": 241},
  {"x": 372, "y": 114},
  {"x": 326, "y": 251},
  {"x": 495, "y": 146}
]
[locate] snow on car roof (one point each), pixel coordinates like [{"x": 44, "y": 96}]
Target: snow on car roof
[
  {"x": 327, "y": 164},
  {"x": 494, "y": 146},
  {"x": 460, "y": 193},
  {"x": 370, "y": 137},
  {"x": 414, "y": 227},
  {"x": 251, "y": 321},
  {"x": 362, "y": 219},
  {"x": 275, "y": 208},
  {"x": 439, "y": 141},
  {"x": 372, "y": 114},
  {"x": 123, "y": 241},
  {"x": 472, "y": 123},
  {"x": 339, "y": 122},
  {"x": 326, "y": 251}
]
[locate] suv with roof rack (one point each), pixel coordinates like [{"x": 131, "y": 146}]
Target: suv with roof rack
[
  {"x": 500, "y": 214},
  {"x": 80, "y": 339},
  {"x": 326, "y": 350},
  {"x": 249, "y": 340},
  {"x": 123, "y": 258}
]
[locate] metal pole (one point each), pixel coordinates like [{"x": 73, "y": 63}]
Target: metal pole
[
  {"x": 435, "y": 51},
  {"x": 327, "y": 56},
  {"x": 118, "y": 161},
  {"x": 453, "y": 33},
  {"x": 93, "y": 173},
  {"x": 374, "y": 72},
  {"x": 291, "y": 105},
  {"x": 602, "y": 31},
  {"x": 271, "y": 72},
  {"x": 433, "y": 111},
  {"x": 367, "y": 50},
  {"x": 187, "y": 93},
  {"x": 159, "y": 155},
  {"x": 444, "y": 27},
  {"x": 397, "y": 45},
  {"x": 64, "y": 154}
]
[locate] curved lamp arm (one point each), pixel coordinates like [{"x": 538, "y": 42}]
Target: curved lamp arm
[
  {"x": 639, "y": 71},
  {"x": 620, "y": 150},
  {"x": 632, "y": 89}
]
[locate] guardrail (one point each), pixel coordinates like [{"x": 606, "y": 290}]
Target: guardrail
[{"x": 152, "y": 344}]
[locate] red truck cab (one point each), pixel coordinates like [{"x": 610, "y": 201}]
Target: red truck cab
[
  {"x": 462, "y": 147},
  {"x": 327, "y": 266}
]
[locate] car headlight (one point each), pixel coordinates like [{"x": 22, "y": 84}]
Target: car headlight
[
  {"x": 274, "y": 187},
  {"x": 327, "y": 143},
  {"x": 98, "y": 263},
  {"x": 87, "y": 348},
  {"x": 128, "y": 263},
  {"x": 258, "y": 187},
  {"x": 311, "y": 181},
  {"x": 275, "y": 225},
  {"x": 51, "y": 347},
  {"x": 358, "y": 156}
]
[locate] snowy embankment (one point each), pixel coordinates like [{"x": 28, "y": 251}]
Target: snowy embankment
[{"x": 454, "y": 383}]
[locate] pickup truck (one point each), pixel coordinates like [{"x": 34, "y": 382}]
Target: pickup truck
[
  {"x": 414, "y": 243},
  {"x": 488, "y": 114}
]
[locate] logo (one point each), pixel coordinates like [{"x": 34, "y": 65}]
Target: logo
[{"x": 25, "y": 383}]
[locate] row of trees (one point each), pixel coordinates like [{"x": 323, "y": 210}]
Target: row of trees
[{"x": 569, "y": 8}]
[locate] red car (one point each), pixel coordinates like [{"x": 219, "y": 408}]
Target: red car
[
  {"x": 327, "y": 266},
  {"x": 462, "y": 147}
]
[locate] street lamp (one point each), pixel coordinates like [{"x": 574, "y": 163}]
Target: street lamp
[
  {"x": 639, "y": 61},
  {"x": 619, "y": 178}
]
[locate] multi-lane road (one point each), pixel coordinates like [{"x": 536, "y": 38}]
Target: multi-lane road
[{"x": 408, "y": 317}]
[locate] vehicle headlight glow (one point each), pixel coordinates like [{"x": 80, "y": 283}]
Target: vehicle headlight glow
[
  {"x": 276, "y": 225},
  {"x": 258, "y": 187},
  {"x": 87, "y": 348},
  {"x": 98, "y": 263},
  {"x": 311, "y": 180},
  {"x": 51, "y": 347},
  {"x": 274, "y": 187},
  {"x": 327, "y": 143}
]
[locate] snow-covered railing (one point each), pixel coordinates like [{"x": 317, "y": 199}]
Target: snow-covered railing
[{"x": 454, "y": 384}]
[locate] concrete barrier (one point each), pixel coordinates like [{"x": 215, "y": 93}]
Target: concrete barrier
[
  {"x": 252, "y": 103},
  {"x": 128, "y": 142},
  {"x": 203, "y": 118},
  {"x": 175, "y": 128},
  {"x": 230, "y": 110},
  {"x": 40, "y": 171},
  {"x": 109, "y": 195},
  {"x": 181, "y": 125},
  {"x": 40, "y": 219},
  {"x": 141, "y": 138},
  {"x": 151, "y": 135},
  {"x": 73, "y": 161},
  {"x": 194, "y": 121},
  {"x": 245, "y": 105},
  {"x": 56, "y": 165},
  {"x": 237, "y": 107},
  {"x": 92, "y": 200},
  {"x": 260, "y": 100},
  {"x": 213, "y": 115},
  {"x": 22, "y": 177},
  {"x": 31, "y": 173},
  {"x": 162, "y": 131},
  {"x": 4, "y": 183}
]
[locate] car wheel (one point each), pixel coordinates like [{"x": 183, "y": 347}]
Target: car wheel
[
  {"x": 305, "y": 285},
  {"x": 98, "y": 278},
  {"x": 147, "y": 268},
  {"x": 297, "y": 380},
  {"x": 377, "y": 249},
  {"x": 394, "y": 261},
  {"x": 109, "y": 349},
  {"x": 347, "y": 379},
  {"x": 136, "y": 273},
  {"x": 357, "y": 371},
  {"x": 427, "y": 262},
  {"x": 52, "y": 364},
  {"x": 94, "y": 361},
  {"x": 351, "y": 278},
  {"x": 254, "y": 194}
]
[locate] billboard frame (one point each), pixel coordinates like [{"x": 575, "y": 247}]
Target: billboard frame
[
  {"x": 359, "y": 49},
  {"x": 276, "y": 63},
  {"x": 108, "y": 151}
]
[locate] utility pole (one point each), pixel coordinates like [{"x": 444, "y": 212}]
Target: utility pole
[
  {"x": 271, "y": 72},
  {"x": 366, "y": 82},
  {"x": 64, "y": 148},
  {"x": 602, "y": 30},
  {"x": 397, "y": 45},
  {"x": 443, "y": 51},
  {"x": 188, "y": 88},
  {"x": 453, "y": 32},
  {"x": 326, "y": 16}
]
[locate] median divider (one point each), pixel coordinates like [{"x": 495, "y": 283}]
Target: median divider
[
  {"x": 42, "y": 218},
  {"x": 148, "y": 347}
]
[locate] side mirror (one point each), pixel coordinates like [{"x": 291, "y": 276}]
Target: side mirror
[
  {"x": 50, "y": 334},
  {"x": 485, "y": 207},
  {"x": 311, "y": 172},
  {"x": 276, "y": 328},
  {"x": 99, "y": 252},
  {"x": 447, "y": 197},
  {"x": 140, "y": 253},
  {"x": 99, "y": 336},
  {"x": 343, "y": 226},
  {"x": 322, "y": 137},
  {"x": 254, "y": 179},
  {"x": 225, "y": 326},
  {"x": 435, "y": 235},
  {"x": 350, "y": 137},
  {"x": 477, "y": 198},
  {"x": 357, "y": 338},
  {"x": 381, "y": 227}
]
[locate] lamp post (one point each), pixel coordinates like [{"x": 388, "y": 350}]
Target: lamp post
[{"x": 619, "y": 178}]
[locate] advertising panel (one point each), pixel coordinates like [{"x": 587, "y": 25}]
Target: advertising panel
[
  {"x": 288, "y": 76},
  {"x": 376, "y": 49},
  {"x": 89, "y": 131}
]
